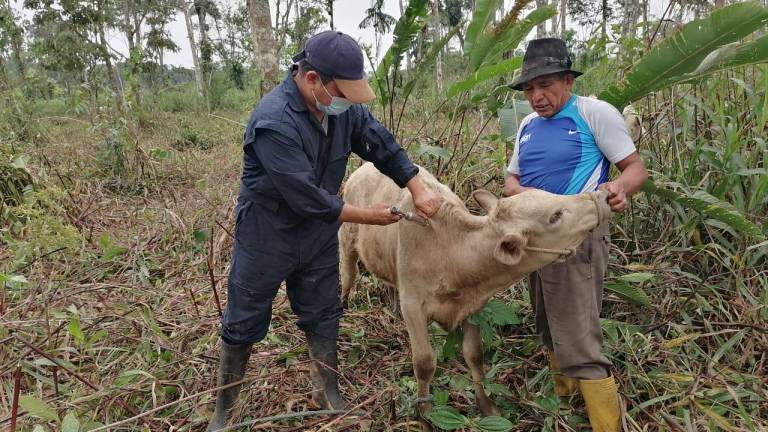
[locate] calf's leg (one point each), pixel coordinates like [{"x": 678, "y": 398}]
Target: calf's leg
[
  {"x": 348, "y": 258},
  {"x": 473, "y": 354},
  {"x": 421, "y": 350}
]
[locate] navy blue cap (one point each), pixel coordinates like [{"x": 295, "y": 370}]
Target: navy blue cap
[
  {"x": 338, "y": 55},
  {"x": 334, "y": 54}
]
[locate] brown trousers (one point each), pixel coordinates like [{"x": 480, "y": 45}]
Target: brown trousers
[{"x": 566, "y": 298}]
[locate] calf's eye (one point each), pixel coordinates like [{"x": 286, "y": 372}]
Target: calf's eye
[{"x": 556, "y": 216}]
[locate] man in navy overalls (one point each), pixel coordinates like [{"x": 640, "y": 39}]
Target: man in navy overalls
[{"x": 296, "y": 147}]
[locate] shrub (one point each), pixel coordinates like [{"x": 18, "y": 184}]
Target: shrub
[{"x": 191, "y": 138}]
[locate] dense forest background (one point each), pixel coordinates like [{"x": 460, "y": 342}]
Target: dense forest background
[{"x": 119, "y": 173}]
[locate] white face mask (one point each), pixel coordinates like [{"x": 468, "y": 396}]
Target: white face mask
[{"x": 337, "y": 106}]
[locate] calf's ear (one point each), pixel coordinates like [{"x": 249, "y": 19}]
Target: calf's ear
[
  {"x": 509, "y": 249},
  {"x": 486, "y": 199}
]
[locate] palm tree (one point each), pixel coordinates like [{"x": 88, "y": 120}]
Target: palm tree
[{"x": 380, "y": 21}]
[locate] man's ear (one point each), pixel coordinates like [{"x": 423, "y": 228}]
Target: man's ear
[
  {"x": 487, "y": 200},
  {"x": 311, "y": 77},
  {"x": 509, "y": 249}
]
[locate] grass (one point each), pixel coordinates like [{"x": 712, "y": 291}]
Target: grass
[{"x": 108, "y": 307}]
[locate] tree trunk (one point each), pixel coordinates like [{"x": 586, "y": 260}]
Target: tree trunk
[
  {"x": 631, "y": 16},
  {"x": 407, "y": 54},
  {"x": 419, "y": 51},
  {"x": 329, "y": 4},
  {"x": 113, "y": 73},
  {"x": 553, "y": 20},
  {"x": 206, "y": 67},
  {"x": 128, "y": 25},
  {"x": 17, "y": 42},
  {"x": 563, "y": 17},
  {"x": 541, "y": 29},
  {"x": 646, "y": 36},
  {"x": 604, "y": 24},
  {"x": 15, "y": 36},
  {"x": 3, "y": 76},
  {"x": 193, "y": 47},
  {"x": 264, "y": 44},
  {"x": 435, "y": 38}
]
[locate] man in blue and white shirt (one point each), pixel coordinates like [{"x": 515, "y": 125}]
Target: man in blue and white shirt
[{"x": 566, "y": 146}]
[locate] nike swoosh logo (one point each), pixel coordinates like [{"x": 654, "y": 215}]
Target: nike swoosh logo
[{"x": 571, "y": 132}]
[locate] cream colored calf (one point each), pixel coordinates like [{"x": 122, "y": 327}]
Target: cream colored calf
[{"x": 448, "y": 270}]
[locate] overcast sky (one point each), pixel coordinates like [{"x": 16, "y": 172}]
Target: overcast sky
[{"x": 347, "y": 17}]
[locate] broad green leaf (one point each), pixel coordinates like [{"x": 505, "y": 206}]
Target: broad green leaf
[
  {"x": 482, "y": 15},
  {"x": 511, "y": 38},
  {"x": 497, "y": 389},
  {"x": 728, "y": 57},
  {"x": 637, "y": 277},
  {"x": 38, "y": 408},
  {"x": 501, "y": 313},
  {"x": 70, "y": 423},
  {"x": 705, "y": 203},
  {"x": 446, "y": 418},
  {"x": 550, "y": 403},
  {"x": 441, "y": 397},
  {"x": 494, "y": 424},
  {"x": 510, "y": 118},
  {"x": 459, "y": 382},
  {"x": 629, "y": 292},
  {"x": 483, "y": 74},
  {"x": 683, "y": 52}
]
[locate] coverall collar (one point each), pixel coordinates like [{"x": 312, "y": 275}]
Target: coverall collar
[{"x": 291, "y": 90}]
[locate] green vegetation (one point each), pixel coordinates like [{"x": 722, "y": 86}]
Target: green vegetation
[{"x": 116, "y": 220}]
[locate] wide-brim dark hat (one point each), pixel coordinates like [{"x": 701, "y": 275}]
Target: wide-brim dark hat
[{"x": 543, "y": 57}]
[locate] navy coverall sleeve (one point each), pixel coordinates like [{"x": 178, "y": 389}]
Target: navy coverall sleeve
[
  {"x": 290, "y": 171},
  {"x": 374, "y": 143}
]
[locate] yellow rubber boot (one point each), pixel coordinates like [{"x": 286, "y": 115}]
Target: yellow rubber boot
[
  {"x": 564, "y": 386},
  {"x": 602, "y": 401}
]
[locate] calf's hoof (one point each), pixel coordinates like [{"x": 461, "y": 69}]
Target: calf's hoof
[
  {"x": 422, "y": 408},
  {"x": 487, "y": 407},
  {"x": 426, "y": 426}
]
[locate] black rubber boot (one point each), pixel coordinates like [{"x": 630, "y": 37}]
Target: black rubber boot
[
  {"x": 232, "y": 362},
  {"x": 323, "y": 371}
]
